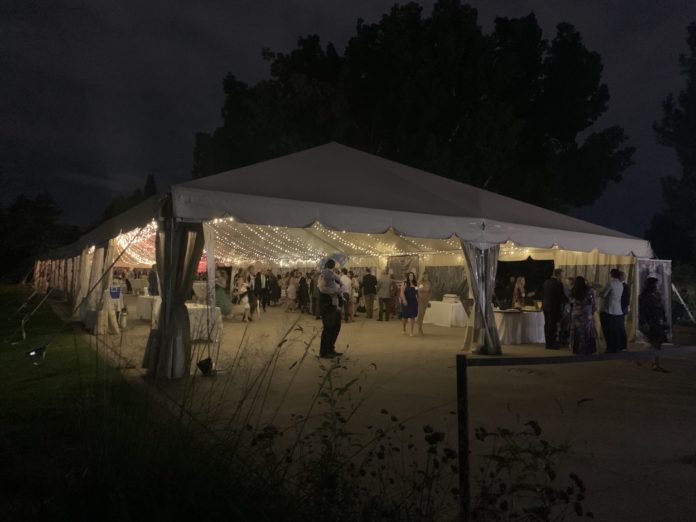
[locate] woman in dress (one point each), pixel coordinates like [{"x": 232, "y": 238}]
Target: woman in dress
[
  {"x": 409, "y": 301},
  {"x": 652, "y": 319},
  {"x": 425, "y": 292},
  {"x": 519, "y": 294},
  {"x": 291, "y": 301},
  {"x": 354, "y": 294},
  {"x": 583, "y": 303},
  {"x": 241, "y": 291}
]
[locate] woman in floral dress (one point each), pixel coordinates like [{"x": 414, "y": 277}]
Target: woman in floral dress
[{"x": 583, "y": 333}]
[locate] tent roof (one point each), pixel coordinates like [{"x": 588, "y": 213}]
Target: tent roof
[
  {"x": 351, "y": 192},
  {"x": 346, "y": 189}
]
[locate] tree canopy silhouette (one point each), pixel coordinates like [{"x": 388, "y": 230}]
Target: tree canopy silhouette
[
  {"x": 509, "y": 111},
  {"x": 673, "y": 231},
  {"x": 122, "y": 203},
  {"x": 31, "y": 226}
]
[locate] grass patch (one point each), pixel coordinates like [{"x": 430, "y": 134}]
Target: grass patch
[{"x": 80, "y": 443}]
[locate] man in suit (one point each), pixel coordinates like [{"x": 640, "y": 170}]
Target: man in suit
[
  {"x": 261, "y": 287},
  {"x": 554, "y": 299},
  {"x": 625, "y": 304},
  {"x": 369, "y": 289},
  {"x": 384, "y": 295}
]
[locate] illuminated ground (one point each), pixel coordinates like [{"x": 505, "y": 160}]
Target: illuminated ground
[{"x": 631, "y": 428}]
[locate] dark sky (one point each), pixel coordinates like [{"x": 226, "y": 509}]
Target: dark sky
[{"x": 94, "y": 95}]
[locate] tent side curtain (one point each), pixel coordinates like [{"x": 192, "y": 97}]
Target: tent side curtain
[
  {"x": 202, "y": 205},
  {"x": 179, "y": 249}
]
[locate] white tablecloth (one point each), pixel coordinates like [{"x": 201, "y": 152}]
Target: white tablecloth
[
  {"x": 445, "y": 314},
  {"x": 138, "y": 285},
  {"x": 144, "y": 305},
  {"x": 200, "y": 288},
  {"x": 198, "y": 318},
  {"x": 520, "y": 327}
]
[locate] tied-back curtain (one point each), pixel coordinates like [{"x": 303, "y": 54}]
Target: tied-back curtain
[
  {"x": 91, "y": 303},
  {"x": 179, "y": 250},
  {"x": 107, "y": 273},
  {"x": 482, "y": 262},
  {"x": 82, "y": 284},
  {"x": 209, "y": 235}
]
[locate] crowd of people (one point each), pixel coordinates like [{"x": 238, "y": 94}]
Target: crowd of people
[
  {"x": 569, "y": 309},
  {"x": 336, "y": 295},
  {"x": 253, "y": 291}
]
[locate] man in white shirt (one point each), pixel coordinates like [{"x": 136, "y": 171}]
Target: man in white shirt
[{"x": 611, "y": 313}]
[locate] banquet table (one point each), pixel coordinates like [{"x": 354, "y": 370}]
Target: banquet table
[
  {"x": 515, "y": 327},
  {"x": 138, "y": 285},
  {"x": 445, "y": 314},
  {"x": 144, "y": 306},
  {"x": 200, "y": 289},
  {"x": 198, "y": 319}
]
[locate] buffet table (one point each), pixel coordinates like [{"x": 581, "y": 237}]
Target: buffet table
[
  {"x": 445, "y": 314},
  {"x": 144, "y": 306},
  {"x": 515, "y": 327},
  {"x": 138, "y": 285},
  {"x": 200, "y": 289}
]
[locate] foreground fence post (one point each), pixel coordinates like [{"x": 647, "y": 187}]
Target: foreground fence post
[{"x": 463, "y": 437}]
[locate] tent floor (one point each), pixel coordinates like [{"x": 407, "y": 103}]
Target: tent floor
[{"x": 631, "y": 429}]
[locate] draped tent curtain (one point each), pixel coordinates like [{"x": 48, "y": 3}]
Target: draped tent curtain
[
  {"x": 90, "y": 306},
  {"x": 209, "y": 236},
  {"x": 178, "y": 250},
  {"x": 82, "y": 284},
  {"x": 482, "y": 262}
]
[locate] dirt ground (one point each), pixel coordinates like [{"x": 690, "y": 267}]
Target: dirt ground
[{"x": 632, "y": 429}]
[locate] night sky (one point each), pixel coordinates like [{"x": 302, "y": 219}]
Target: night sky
[{"x": 97, "y": 94}]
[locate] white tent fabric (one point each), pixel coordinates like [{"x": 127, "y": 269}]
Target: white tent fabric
[{"x": 345, "y": 189}]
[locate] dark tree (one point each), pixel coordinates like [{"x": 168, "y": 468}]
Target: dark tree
[
  {"x": 30, "y": 227},
  {"x": 673, "y": 231},
  {"x": 150, "y": 186},
  {"x": 509, "y": 111},
  {"x": 122, "y": 203}
]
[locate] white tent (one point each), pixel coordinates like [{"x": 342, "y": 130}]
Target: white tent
[{"x": 334, "y": 198}]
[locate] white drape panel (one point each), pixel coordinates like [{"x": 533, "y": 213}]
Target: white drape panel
[
  {"x": 482, "y": 262},
  {"x": 82, "y": 284},
  {"x": 209, "y": 236},
  {"x": 92, "y": 299}
]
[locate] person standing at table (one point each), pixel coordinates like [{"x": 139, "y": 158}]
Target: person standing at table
[
  {"x": 384, "y": 295},
  {"x": 611, "y": 315},
  {"x": 583, "y": 307},
  {"x": 425, "y": 292},
  {"x": 152, "y": 285},
  {"x": 408, "y": 297},
  {"x": 554, "y": 299},
  {"x": 519, "y": 294}
]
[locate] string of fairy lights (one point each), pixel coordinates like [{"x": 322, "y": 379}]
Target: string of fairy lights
[
  {"x": 139, "y": 252},
  {"x": 240, "y": 243}
]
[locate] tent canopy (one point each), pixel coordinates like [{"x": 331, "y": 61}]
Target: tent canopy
[
  {"x": 330, "y": 196},
  {"x": 349, "y": 190}
]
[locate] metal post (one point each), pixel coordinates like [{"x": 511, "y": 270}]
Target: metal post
[{"x": 463, "y": 437}]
